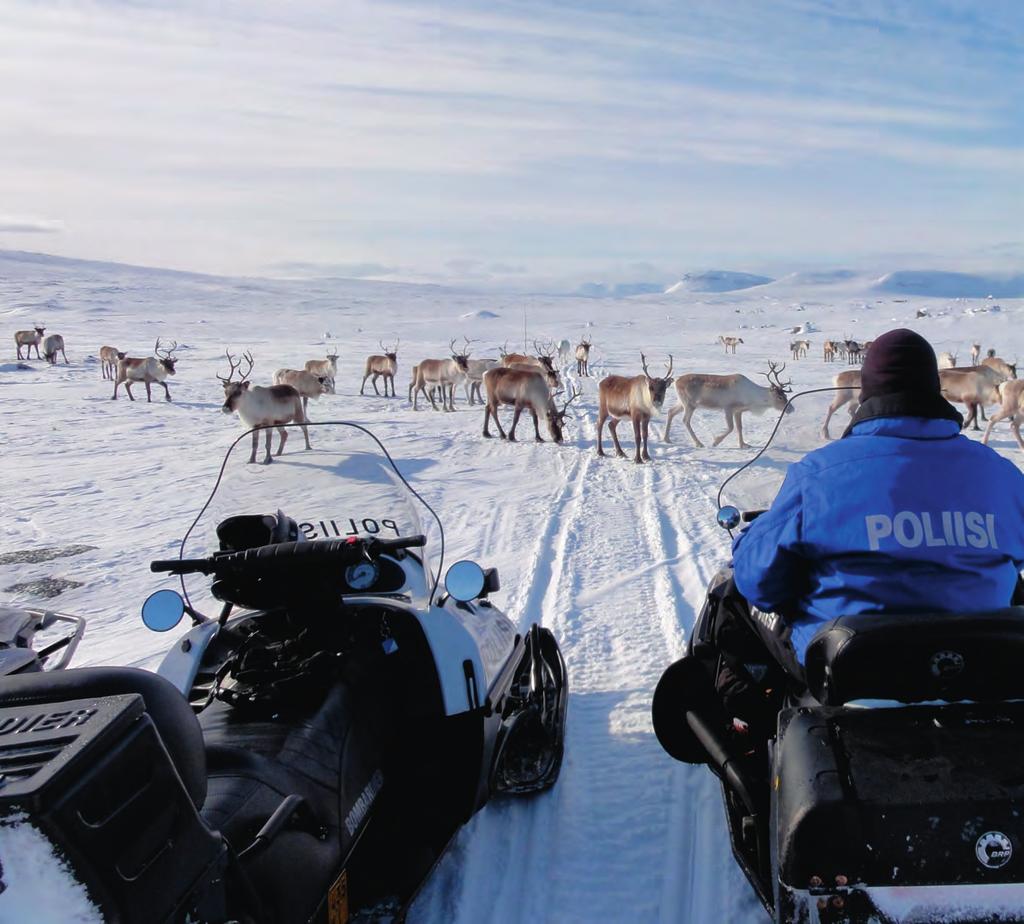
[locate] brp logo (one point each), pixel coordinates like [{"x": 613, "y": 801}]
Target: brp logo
[
  {"x": 993, "y": 850},
  {"x": 946, "y": 664}
]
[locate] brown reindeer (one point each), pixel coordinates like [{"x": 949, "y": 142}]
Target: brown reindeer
[
  {"x": 440, "y": 374},
  {"x": 261, "y": 407},
  {"x": 734, "y": 394},
  {"x": 523, "y": 388},
  {"x": 152, "y": 369},
  {"x": 583, "y": 357},
  {"x": 849, "y": 382},
  {"x": 305, "y": 383},
  {"x": 1005, "y": 369},
  {"x": 29, "y": 339},
  {"x": 976, "y": 354},
  {"x": 383, "y": 365},
  {"x": 328, "y": 367},
  {"x": 639, "y": 398},
  {"x": 828, "y": 351},
  {"x": 972, "y": 386},
  {"x": 544, "y": 358}
]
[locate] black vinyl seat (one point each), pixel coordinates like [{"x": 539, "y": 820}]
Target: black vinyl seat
[
  {"x": 918, "y": 657},
  {"x": 168, "y": 709}
]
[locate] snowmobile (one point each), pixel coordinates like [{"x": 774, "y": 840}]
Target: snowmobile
[
  {"x": 889, "y": 783},
  {"x": 309, "y": 747}
]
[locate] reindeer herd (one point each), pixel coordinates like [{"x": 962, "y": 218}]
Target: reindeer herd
[{"x": 532, "y": 382}]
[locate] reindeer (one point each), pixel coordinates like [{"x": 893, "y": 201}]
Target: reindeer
[
  {"x": 972, "y": 386},
  {"x": 149, "y": 370},
  {"x": 733, "y": 394},
  {"x": 328, "y": 367},
  {"x": 474, "y": 378},
  {"x": 1011, "y": 394},
  {"x": 442, "y": 374},
  {"x": 108, "y": 360},
  {"x": 854, "y": 351},
  {"x": 976, "y": 354},
  {"x": 583, "y": 357},
  {"x": 523, "y": 388},
  {"x": 828, "y": 350},
  {"x": 550, "y": 376},
  {"x": 564, "y": 351},
  {"x": 1005, "y": 369},
  {"x": 384, "y": 364},
  {"x": 729, "y": 342},
  {"x": 305, "y": 384},
  {"x": 947, "y": 360},
  {"x": 52, "y": 345},
  {"x": 261, "y": 408},
  {"x": 799, "y": 348},
  {"x": 545, "y": 359},
  {"x": 639, "y": 398},
  {"x": 849, "y": 382},
  {"x": 29, "y": 339}
]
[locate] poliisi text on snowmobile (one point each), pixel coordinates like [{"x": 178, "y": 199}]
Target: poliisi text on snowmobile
[{"x": 308, "y": 754}]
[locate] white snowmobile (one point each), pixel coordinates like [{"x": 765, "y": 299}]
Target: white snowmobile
[
  {"x": 886, "y": 782},
  {"x": 307, "y": 753}
]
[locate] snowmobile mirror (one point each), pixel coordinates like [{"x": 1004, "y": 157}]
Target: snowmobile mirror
[
  {"x": 728, "y": 517},
  {"x": 464, "y": 581},
  {"x": 163, "y": 610}
]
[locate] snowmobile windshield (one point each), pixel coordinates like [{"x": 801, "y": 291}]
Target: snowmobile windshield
[
  {"x": 780, "y": 439},
  {"x": 345, "y": 484}
]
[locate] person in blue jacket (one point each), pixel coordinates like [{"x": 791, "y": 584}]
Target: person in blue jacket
[{"x": 903, "y": 514}]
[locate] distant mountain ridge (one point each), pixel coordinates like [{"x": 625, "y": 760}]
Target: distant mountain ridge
[{"x": 717, "y": 281}]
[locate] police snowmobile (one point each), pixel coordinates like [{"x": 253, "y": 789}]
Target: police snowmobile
[
  {"x": 887, "y": 781},
  {"x": 306, "y": 753}
]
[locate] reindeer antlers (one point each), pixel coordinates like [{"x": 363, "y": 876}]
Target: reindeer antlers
[
  {"x": 165, "y": 353},
  {"x": 575, "y": 394},
  {"x": 668, "y": 373},
  {"x": 547, "y": 350},
  {"x": 775, "y": 369},
  {"x": 247, "y": 357}
]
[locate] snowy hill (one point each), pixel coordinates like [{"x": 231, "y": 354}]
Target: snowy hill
[
  {"x": 949, "y": 285},
  {"x": 716, "y": 281}
]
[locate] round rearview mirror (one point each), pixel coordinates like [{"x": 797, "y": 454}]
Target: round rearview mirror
[
  {"x": 728, "y": 517},
  {"x": 464, "y": 581},
  {"x": 163, "y": 610}
]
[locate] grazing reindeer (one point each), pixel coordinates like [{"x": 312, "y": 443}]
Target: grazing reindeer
[
  {"x": 1005, "y": 369},
  {"x": 639, "y": 398},
  {"x": 947, "y": 360},
  {"x": 52, "y": 345},
  {"x": 440, "y": 374},
  {"x": 828, "y": 350},
  {"x": 523, "y": 388},
  {"x": 29, "y": 339},
  {"x": 732, "y": 394},
  {"x": 1011, "y": 394},
  {"x": 730, "y": 342},
  {"x": 328, "y": 367},
  {"x": 149, "y": 370},
  {"x": 262, "y": 407},
  {"x": 385, "y": 365},
  {"x": 799, "y": 348},
  {"x": 108, "y": 360},
  {"x": 976, "y": 354},
  {"x": 972, "y": 386},
  {"x": 583, "y": 357},
  {"x": 849, "y": 382},
  {"x": 305, "y": 384}
]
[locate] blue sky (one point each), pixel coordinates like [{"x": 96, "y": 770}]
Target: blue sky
[{"x": 515, "y": 142}]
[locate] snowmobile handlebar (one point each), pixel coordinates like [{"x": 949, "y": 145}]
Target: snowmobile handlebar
[
  {"x": 748, "y": 516},
  {"x": 284, "y": 554}
]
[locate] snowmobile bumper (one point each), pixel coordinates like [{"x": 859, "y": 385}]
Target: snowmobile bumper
[{"x": 913, "y": 813}]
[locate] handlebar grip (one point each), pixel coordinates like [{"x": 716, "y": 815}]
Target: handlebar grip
[
  {"x": 748, "y": 516},
  {"x": 182, "y": 565}
]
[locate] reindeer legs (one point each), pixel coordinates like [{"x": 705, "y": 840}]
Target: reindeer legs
[
  {"x": 270, "y": 436},
  {"x": 536, "y": 425},
  {"x": 687, "y": 417},
  {"x": 645, "y": 426},
  {"x": 255, "y": 445},
  {"x": 728, "y": 428},
  {"x": 613, "y": 428},
  {"x": 738, "y": 417},
  {"x": 167, "y": 391}
]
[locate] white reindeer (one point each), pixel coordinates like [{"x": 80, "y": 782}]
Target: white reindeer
[
  {"x": 305, "y": 383},
  {"x": 734, "y": 394},
  {"x": 108, "y": 361},
  {"x": 261, "y": 407},
  {"x": 328, "y": 367},
  {"x": 440, "y": 374},
  {"x": 149, "y": 370},
  {"x": 52, "y": 345}
]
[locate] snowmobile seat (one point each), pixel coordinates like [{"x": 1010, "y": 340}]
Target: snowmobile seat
[
  {"x": 918, "y": 657},
  {"x": 172, "y": 715}
]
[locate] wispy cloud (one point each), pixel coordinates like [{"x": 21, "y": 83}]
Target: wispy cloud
[
  {"x": 373, "y": 134},
  {"x": 14, "y": 225}
]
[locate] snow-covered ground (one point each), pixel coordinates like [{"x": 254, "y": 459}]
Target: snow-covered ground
[{"x": 613, "y": 557}]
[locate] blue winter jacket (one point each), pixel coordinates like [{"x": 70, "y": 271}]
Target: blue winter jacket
[{"x": 904, "y": 514}]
